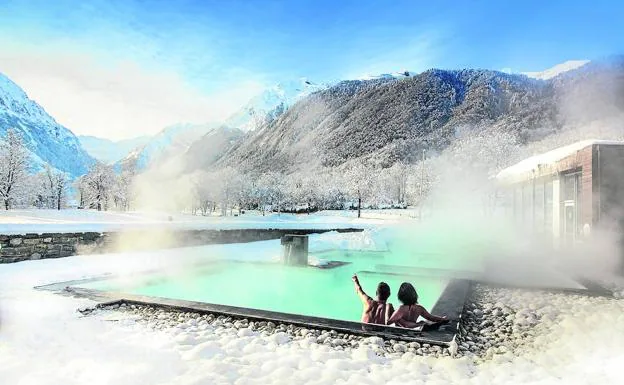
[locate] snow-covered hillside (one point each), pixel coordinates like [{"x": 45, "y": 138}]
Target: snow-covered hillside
[
  {"x": 171, "y": 141},
  {"x": 270, "y": 104},
  {"x": 46, "y": 140},
  {"x": 109, "y": 151},
  {"x": 557, "y": 70}
]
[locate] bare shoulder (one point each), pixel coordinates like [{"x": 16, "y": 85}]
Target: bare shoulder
[{"x": 420, "y": 308}]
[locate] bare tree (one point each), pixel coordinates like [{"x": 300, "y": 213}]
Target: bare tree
[
  {"x": 54, "y": 188},
  {"x": 359, "y": 181},
  {"x": 60, "y": 182},
  {"x": 98, "y": 185},
  {"x": 13, "y": 158}
]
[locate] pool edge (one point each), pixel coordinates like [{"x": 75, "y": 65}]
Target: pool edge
[{"x": 441, "y": 337}]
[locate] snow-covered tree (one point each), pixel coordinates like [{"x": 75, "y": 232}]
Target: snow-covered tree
[
  {"x": 123, "y": 192},
  {"x": 227, "y": 183},
  {"x": 398, "y": 175},
  {"x": 97, "y": 186},
  {"x": 53, "y": 188},
  {"x": 248, "y": 185},
  {"x": 359, "y": 182},
  {"x": 421, "y": 178},
  {"x": 273, "y": 190},
  {"x": 206, "y": 192},
  {"x": 333, "y": 190},
  {"x": 13, "y": 159},
  {"x": 305, "y": 191}
]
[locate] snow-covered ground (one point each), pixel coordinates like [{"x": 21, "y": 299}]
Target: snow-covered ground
[
  {"x": 39, "y": 221},
  {"x": 43, "y": 340}
]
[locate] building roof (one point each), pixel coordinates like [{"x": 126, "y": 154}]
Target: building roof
[{"x": 526, "y": 167}]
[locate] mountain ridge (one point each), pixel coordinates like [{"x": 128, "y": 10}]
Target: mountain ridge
[
  {"x": 170, "y": 141},
  {"x": 390, "y": 119},
  {"x": 47, "y": 141}
]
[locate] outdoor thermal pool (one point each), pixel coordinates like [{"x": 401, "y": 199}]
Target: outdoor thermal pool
[{"x": 317, "y": 291}]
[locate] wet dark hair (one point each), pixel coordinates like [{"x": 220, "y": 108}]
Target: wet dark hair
[
  {"x": 407, "y": 294},
  {"x": 383, "y": 291}
]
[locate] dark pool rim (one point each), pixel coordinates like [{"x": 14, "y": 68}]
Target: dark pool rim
[{"x": 450, "y": 303}]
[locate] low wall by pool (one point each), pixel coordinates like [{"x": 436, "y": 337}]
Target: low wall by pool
[{"x": 22, "y": 247}]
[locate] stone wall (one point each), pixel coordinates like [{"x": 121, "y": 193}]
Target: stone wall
[
  {"x": 22, "y": 247},
  {"x": 15, "y": 248}
]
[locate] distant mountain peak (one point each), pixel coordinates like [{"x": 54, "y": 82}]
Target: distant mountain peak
[
  {"x": 170, "y": 141},
  {"x": 271, "y": 103},
  {"x": 557, "y": 69},
  {"x": 110, "y": 151}
]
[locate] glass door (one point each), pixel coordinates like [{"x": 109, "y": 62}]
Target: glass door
[{"x": 569, "y": 222}]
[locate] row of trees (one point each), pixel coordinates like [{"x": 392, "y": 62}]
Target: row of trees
[
  {"x": 101, "y": 188},
  {"x": 467, "y": 166},
  {"x": 351, "y": 187},
  {"x": 463, "y": 174},
  {"x": 18, "y": 187}
]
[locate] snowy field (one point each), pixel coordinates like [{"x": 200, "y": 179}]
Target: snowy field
[
  {"x": 39, "y": 221},
  {"x": 44, "y": 340}
]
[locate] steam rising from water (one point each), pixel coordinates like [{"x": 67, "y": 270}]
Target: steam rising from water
[{"x": 464, "y": 223}]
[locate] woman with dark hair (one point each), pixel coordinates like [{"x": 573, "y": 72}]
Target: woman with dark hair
[
  {"x": 407, "y": 314},
  {"x": 375, "y": 311}
]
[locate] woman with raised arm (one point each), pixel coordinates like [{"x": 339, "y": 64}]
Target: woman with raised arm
[{"x": 375, "y": 311}]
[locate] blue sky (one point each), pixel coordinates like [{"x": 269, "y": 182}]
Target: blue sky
[{"x": 228, "y": 50}]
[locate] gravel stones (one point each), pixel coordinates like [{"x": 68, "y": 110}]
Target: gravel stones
[{"x": 496, "y": 321}]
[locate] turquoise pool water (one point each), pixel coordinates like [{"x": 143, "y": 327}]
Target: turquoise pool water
[{"x": 310, "y": 291}]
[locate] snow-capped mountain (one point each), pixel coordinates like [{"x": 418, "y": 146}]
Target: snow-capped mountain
[
  {"x": 109, "y": 151},
  {"x": 387, "y": 120},
  {"x": 557, "y": 70},
  {"x": 46, "y": 140},
  {"x": 382, "y": 121},
  {"x": 270, "y": 104},
  {"x": 172, "y": 140}
]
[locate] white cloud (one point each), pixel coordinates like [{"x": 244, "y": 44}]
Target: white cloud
[{"x": 119, "y": 100}]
